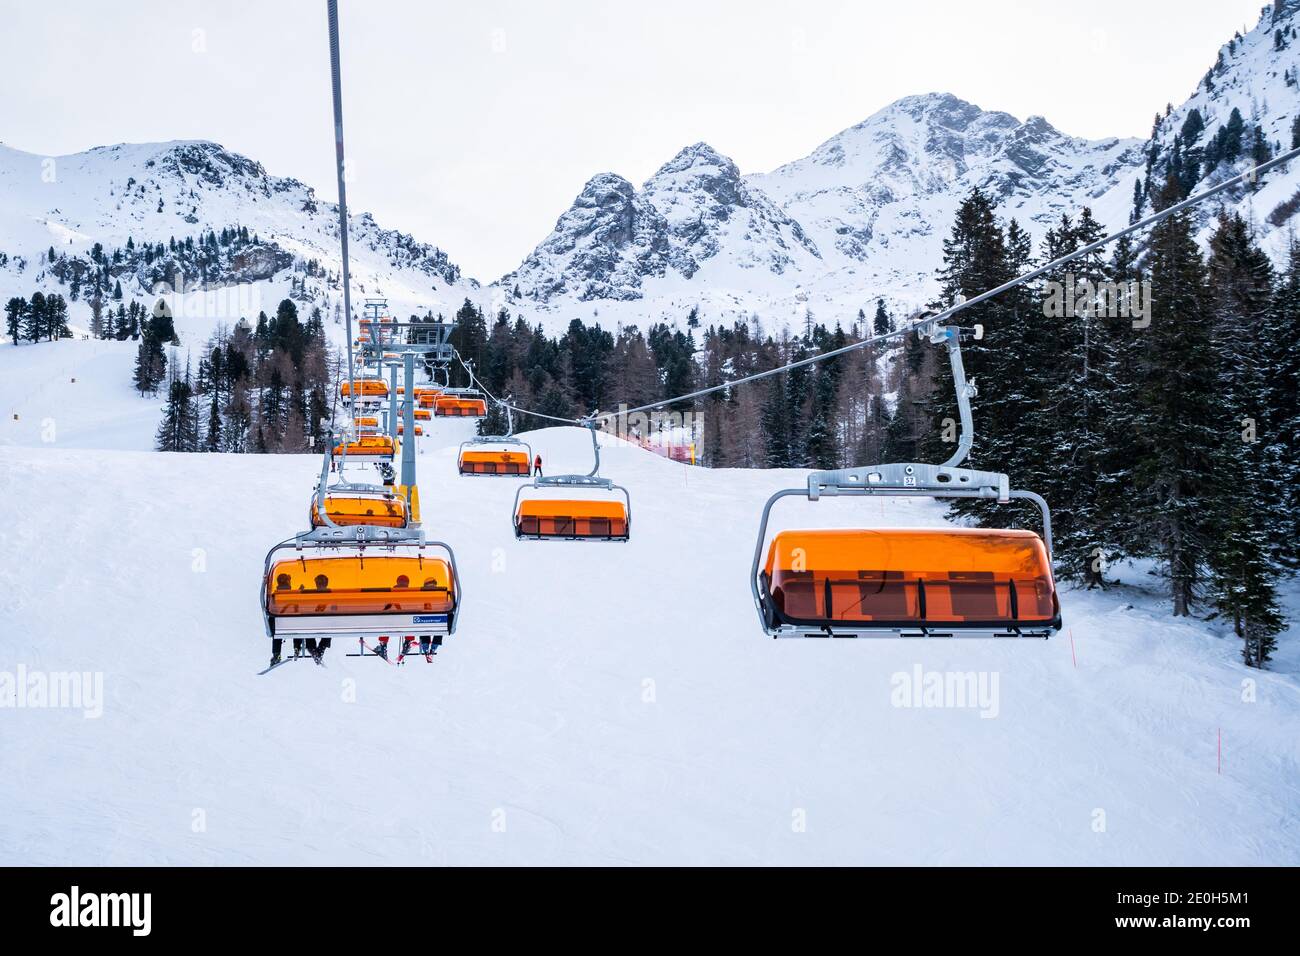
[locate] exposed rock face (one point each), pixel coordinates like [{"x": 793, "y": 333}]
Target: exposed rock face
[{"x": 696, "y": 208}]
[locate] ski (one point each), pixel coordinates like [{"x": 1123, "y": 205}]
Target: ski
[{"x": 279, "y": 663}]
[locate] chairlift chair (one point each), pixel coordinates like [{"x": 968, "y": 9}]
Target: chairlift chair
[
  {"x": 368, "y": 449},
  {"x": 496, "y": 454},
  {"x": 374, "y": 591},
  {"x": 364, "y": 392},
  {"x": 460, "y": 403},
  {"x": 908, "y": 582},
  {"x": 351, "y": 505},
  {"x": 358, "y": 577},
  {"x": 574, "y": 514}
]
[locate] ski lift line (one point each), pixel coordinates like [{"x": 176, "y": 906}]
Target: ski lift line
[
  {"x": 1250, "y": 176},
  {"x": 336, "y": 82}
]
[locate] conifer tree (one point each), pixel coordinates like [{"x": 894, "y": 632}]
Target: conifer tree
[
  {"x": 1177, "y": 411},
  {"x": 1245, "y": 547},
  {"x": 881, "y": 324},
  {"x": 1282, "y": 350},
  {"x": 34, "y": 320},
  {"x": 175, "y": 430},
  {"x": 15, "y": 313}
]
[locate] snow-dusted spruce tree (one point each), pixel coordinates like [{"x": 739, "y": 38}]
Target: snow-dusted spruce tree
[
  {"x": 1069, "y": 436},
  {"x": 1124, "y": 330},
  {"x": 1243, "y": 559},
  {"x": 1177, "y": 411},
  {"x": 34, "y": 319},
  {"x": 178, "y": 431},
  {"x": 1282, "y": 346},
  {"x": 1012, "y": 365},
  {"x": 15, "y": 314},
  {"x": 822, "y": 442}
]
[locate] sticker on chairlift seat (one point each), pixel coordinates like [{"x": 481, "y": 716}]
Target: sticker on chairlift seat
[{"x": 429, "y": 619}]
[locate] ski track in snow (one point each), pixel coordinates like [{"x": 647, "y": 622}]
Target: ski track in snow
[{"x": 535, "y": 714}]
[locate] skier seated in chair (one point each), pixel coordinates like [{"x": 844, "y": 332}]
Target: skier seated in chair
[
  {"x": 317, "y": 651},
  {"x": 403, "y": 583},
  {"x": 283, "y": 583},
  {"x": 429, "y": 645}
]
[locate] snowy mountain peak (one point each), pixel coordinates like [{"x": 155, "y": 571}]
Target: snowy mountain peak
[
  {"x": 695, "y": 213},
  {"x": 700, "y": 156},
  {"x": 937, "y": 109},
  {"x": 876, "y": 197}
]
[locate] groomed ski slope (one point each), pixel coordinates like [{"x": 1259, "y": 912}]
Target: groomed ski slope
[{"x": 599, "y": 703}]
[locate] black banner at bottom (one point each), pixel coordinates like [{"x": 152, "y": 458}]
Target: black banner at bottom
[{"x": 216, "y": 905}]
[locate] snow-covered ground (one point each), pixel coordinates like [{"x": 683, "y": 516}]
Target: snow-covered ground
[{"x": 600, "y": 703}]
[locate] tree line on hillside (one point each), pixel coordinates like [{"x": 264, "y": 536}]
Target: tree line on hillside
[
  {"x": 261, "y": 388},
  {"x": 821, "y": 416},
  {"x": 97, "y": 274}
]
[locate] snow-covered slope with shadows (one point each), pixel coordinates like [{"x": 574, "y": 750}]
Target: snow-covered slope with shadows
[{"x": 599, "y": 703}]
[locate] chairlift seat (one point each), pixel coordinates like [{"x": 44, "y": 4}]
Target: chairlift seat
[
  {"x": 384, "y": 511},
  {"x": 995, "y": 581},
  {"x": 571, "y": 518}
]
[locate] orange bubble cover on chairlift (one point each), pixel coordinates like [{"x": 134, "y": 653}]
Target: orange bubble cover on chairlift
[
  {"x": 568, "y": 518},
  {"x": 450, "y": 406},
  {"x": 384, "y": 512},
  {"x": 911, "y": 576},
  {"x": 368, "y": 445},
  {"x": 366, "y": 387},
  {"x": 360, "y": 585},
  {"x": 494, "y": 463}
]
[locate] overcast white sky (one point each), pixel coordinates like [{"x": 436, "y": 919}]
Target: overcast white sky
[{"x": 474, "y": 124}]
